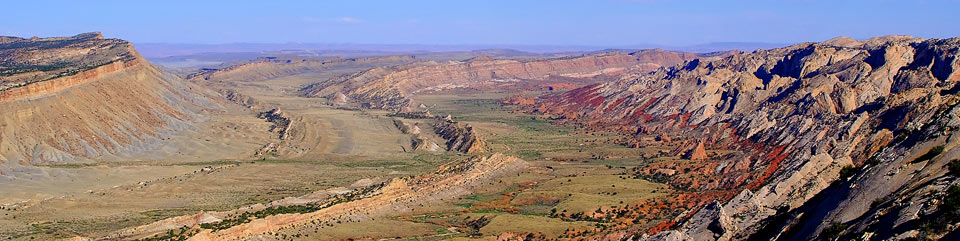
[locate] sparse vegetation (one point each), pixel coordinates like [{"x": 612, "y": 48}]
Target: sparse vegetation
[
  {"x": 954, "y": 167},
  {"x": 179, "y": 234},
  {"x": 932, "y": 153},
  {"x": 833, "y": 231},
  {"x": 246, "y": 217},
  {"x": 873, "y": 161},
  {"x": 877, "y": 202},
  {"x": 848, "y": 171},
  {"x": 948, "y": 212}
]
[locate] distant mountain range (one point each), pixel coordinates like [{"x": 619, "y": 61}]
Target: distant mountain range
[{"x": 160, "y": 50}]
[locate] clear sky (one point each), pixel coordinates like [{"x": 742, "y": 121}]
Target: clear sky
[{"x": 527, "y": 22}]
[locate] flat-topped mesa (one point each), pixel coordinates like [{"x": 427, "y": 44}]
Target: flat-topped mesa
[
  {"x": 361, "y": 201},
  {"x": 60, "y": 61},
  {"x": 391, "y": 87},
  {"x": 794, "y": 117},
  {"x": 270, "y": 67},
  {"x": 73, "y": 99}
]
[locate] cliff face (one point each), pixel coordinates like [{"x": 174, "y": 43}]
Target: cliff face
[
  {"x": 822, "y": 133},
  {"x": 461, "y": 138},
  {"x": 26, "y": 61},
  {"x": 90, "y": 97},
  {"x": 390, "y": 87}
]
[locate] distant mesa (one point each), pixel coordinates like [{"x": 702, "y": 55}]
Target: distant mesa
[{"x": 29, "y": 61}]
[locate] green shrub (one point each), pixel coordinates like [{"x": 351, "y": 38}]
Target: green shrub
[
  {"x": 873, "y": 161},
  {"x": 876, "y": 202},
  {"x": 933, "y": 152},
  {"x": 954, "y": 167},
  {"x": 951, "y": 203},
  {"x": 848, "y": 171},
  {"x": 833, "y": 231}
]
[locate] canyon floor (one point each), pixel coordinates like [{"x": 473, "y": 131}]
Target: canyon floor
[{"x": 213, "y": 166}]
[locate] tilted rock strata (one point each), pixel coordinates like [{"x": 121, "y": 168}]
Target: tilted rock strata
[
  {"x": 418, "y": 141},
  {"x": 421, "y": 143},
  {"x": 461, "y": 138},
  {"x": 405, "y": 128},
  {"x": 28, "y": 61},
  {"x": 281, "y": 122},
  {"x": 120, "y": 107},
  {"x": 391, "y": 87},
  {"x": 396, "y": 197},
  {"x": 796, "y": 116},
  {"x": 697, "y": 153},
  {"x": 291, "y": 134}
]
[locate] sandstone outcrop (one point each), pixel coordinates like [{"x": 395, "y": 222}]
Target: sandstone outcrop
[
  {"x": 281, "y": 122},
  {"x": 419, "y": 139},
  {"x": 391, "y": 87},
  {"x": 697, "y": 153},
  {"x": 74, "y": 99},
  {"x": 289, "y": 132},
  {"x": 241, "y": 99},
  {"x": 28, "y": 61},
  {"x": 820, "y": 131},
  {"x": 407, "y": 128},
  {"x": 421, "y": 143},
  {"x": 460, "y": 137},
  {"x": 397, "y": 196}
]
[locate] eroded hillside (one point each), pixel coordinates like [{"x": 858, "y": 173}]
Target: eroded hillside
[
  {"x": 392, "y": 87},
  {"x": 841, "y": 138},
  {"x": 72, "y": 99}
]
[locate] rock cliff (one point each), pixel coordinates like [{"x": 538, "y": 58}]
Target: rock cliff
[
  {"x": 461, "y": 138},
  {"x": 835, "y": 139},
  {"x": 73, "y": 99},
  {"x": 25, "y": 62}
]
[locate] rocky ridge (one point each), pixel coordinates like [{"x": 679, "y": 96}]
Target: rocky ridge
[
  {"x": 391, "y": 87},
  {"x": 90, "y": 97},
  {"x": 271, "y": 67},
  {"x": 362, "y": 201},
  {"x": 828, "y": 137},
  {"x": 28, "y": 61},
  {"x": 460, "y": 137}
]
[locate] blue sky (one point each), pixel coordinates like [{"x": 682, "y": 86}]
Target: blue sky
[{"x": 526, "y": 22}]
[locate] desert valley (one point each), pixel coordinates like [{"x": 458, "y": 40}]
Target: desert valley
[{"x": 841, "y": 139}]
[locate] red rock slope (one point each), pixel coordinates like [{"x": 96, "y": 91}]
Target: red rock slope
[{"x": 841, "y": 120}]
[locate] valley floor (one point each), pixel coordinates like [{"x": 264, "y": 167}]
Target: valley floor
[{"x": 576, "y": 176}]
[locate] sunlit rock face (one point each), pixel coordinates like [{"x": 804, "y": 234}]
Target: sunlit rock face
[
  {"x": 796, "y": 117},
  {"x": 71, "y": 99}
]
